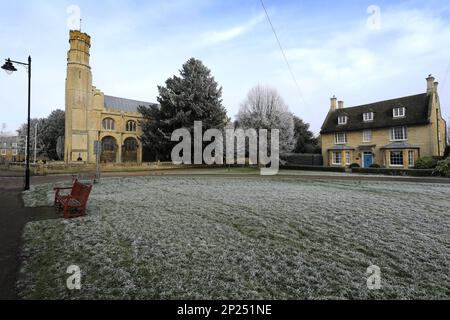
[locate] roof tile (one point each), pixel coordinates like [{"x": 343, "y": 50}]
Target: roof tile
[{"x": 416, "y": 114}]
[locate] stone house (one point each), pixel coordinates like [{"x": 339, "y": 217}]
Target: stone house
[
  {"x": 393, "y": 133},
  {"x": 11, "y": 149}
]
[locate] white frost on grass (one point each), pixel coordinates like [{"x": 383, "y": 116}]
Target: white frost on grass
[{"x": 244, "y": 238}]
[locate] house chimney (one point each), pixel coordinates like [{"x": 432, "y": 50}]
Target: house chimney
[
  {"x": 333, "y": 103},
  {"x": 436, "y": 84},
  {"x": 430, "y": 84},
  {"x": 340, "y": 104}
]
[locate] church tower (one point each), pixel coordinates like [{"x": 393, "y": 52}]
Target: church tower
[{"x": 78, "y": 98}]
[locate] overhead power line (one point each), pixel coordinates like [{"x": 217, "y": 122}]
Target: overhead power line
[
  {"x": 445, "y": 78},
  {"x": 283, "y": 53}
]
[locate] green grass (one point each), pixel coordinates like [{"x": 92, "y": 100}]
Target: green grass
[{"x": 219, "y": 237}]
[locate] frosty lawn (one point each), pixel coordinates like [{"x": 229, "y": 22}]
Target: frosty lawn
[{"x": 243, "y": 238}]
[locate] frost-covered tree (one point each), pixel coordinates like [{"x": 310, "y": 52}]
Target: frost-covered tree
[
  {"x": 264, "y": 108},
  {"x": 192, "y": 96},
  {"x": 48, "y": 131},
  {"x": 22, "y": 132},
  {"x": 3, "y": 130},
  {"x": 53, "y": 128}
]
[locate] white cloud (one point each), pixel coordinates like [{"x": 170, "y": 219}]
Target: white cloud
[
  {"x": 362, "y": 66},
  {"x": 328, "y": 56},
  {"x": 216, "y": 37}
]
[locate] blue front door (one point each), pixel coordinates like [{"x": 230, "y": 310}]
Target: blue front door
[{"x": 368, "y": 159}]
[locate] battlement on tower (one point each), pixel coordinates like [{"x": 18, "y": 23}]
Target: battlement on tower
[
  {"x": 81, "y": 36},
  {"x": 80, "y": 45}
]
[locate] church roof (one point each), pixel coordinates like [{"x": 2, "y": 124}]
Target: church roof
[
  {"x": 417, "y": 112},
  {"x": 122, "y": 104}
]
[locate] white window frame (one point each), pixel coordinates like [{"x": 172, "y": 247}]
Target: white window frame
[
  {"x": 14, "y": 145},
  {"x": 342, "y": 120},
  {"x": 14, "y": 152},
  {"x": 347, "y": 157},
  {"x": 368, "y": 116},
  {"x": 3, "y": 153},
  {"x": 365, "y": 136},
  {"x": 399, "y": 112},
  {"x": 390, "y": 158},
  {"x": 334, "y": 157},
  {"x": 404, "y": 134},
  {"x": 109, "y": 124},
  {"x": 411, "y": 158},
  {"x": 336, "y": 136}
]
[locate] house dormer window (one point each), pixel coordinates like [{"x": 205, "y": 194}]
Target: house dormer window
[
  {"x": 399, "y": 112},
  {"x": 342, "y": 120},
  {"x": 368, "y": 116}
]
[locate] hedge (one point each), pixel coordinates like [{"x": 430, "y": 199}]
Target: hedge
[
  {"x": 313, "y": 168},
  {"x": 302, "y": 159},
  {"x": 396, "y": 172}
]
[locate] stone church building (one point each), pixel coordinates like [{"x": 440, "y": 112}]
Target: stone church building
[{"x": 93, "y": 116}]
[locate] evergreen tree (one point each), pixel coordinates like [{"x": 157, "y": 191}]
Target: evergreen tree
[
  {"x": 305, "y": 140},
  {"x": 192, "y": 96}
]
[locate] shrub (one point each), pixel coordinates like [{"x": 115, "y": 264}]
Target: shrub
[
  {"x": 312, "y": 168},
  {"x": 354, "y": 165},
  {"x": 375, "y": 166},
  {"x": 396, "y": 172},
  {"x": 426, "y": 163},
  {"x": 443, "y": 168}
]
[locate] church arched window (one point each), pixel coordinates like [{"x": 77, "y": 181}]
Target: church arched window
[
  {"x": 131, "y": 126},
  {"x": 109, "y": 144},
  {"x": 108, "y": 124}
]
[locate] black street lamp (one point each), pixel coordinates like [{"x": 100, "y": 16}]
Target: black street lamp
[{"x": 9, "y": 68}]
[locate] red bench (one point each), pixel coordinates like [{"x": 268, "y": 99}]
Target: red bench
[{"x": 73, "y": 203}]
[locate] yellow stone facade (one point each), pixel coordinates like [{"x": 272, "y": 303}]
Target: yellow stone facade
[
  {"x": 424, "y": 140},
  {"x": 89, "y": 118}
]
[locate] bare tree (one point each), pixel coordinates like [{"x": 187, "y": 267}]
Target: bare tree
[
  {"x": 3, "y": 130},
  {"x": 264, "y": 108}
]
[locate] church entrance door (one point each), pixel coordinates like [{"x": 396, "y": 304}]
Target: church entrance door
[
  {"x": 109, "y": 150},
  {"x": 129, "y": 150}
]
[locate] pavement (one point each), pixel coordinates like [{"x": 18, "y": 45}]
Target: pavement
[{"x": 13, "y": 217}]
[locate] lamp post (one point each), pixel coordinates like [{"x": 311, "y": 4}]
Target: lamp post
[{"x": 9, "y": 68}]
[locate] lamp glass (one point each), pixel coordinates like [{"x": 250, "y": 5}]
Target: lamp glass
[{"x": 9, "y": 67}]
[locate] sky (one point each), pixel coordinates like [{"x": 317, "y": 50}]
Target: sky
[{"x": 360, "y": 51}]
